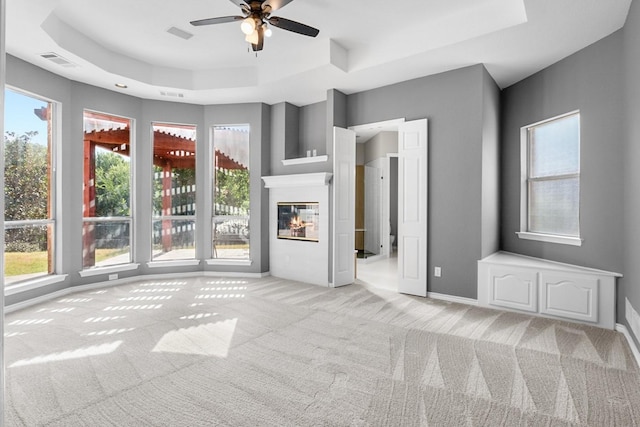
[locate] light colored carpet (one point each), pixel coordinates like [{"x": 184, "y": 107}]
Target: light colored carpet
[{"x": 270, "y": 352}]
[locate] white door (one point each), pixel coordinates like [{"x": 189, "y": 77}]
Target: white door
[
  {"x": 344, "y": 206},
  {"x": 372, "y": 206},
  {"x": 412, "y": 208}
]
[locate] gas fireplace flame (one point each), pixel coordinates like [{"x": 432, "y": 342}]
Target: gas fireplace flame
[{"x": 296, "y": 222}]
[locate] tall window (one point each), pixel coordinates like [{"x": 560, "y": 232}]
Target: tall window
[
  {"x": 106, "y": 207},
  {"x": 231, "y": 192},
  {"x": 551, "y": 189},
  {"x": 28, "y": 187},
  {"x": 174, "y": 192}
]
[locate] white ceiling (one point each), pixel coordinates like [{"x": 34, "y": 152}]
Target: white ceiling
[{"x": 361, "y": 45}]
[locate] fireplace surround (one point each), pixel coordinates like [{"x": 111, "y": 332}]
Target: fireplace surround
[{"x": 291, "y": 255}]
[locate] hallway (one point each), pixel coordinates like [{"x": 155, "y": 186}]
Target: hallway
[{"x": 381, "y": 274}]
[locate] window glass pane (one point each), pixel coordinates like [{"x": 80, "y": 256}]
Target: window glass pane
[
  {"x": 28, "y": 187},
  {"x": 555, "y": 147},
  {"x": 106, "y": 190},
  {"x": 113, "y": 184},
  {"x": 231, "y": 237},
  {"x": 28, "y": 252},
  {"x": 231, "y": 192},
  {"x": 178, "y": 235},
  {"x": 112, "y": 240},
  {"x": 553, "y": 206},
  {"x": 27, "y": 177},
  {"x": 174, "y": 191}
]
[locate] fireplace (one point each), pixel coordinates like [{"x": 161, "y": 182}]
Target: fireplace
[
  {"x": 298, "y": 221},
  {"x": 291, "y": 256}
]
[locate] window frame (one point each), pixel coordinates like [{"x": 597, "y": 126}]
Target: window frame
[
  {"x": 525, "y": 183},
  {"x": 214, "y": 259},
  {"x": 131, "y": 264},
  {"x": 173, "y": 262},
  {"x": 54, "y": 179}
]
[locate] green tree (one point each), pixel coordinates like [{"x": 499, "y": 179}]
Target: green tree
[
  {"x": 26, "y": 190},
  {"x": 113, "y": 188},
  {"x": 26, "y": 181},
  {"x": 232, "y": 189}
]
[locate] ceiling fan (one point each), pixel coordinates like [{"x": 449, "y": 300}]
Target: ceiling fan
[{"x": 256, "y": 16}]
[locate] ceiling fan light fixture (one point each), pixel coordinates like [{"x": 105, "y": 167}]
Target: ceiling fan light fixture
[
  {"x": 252, "y": 38},
  {"x": 248, "y": 25},
  {"x": 267, "y": 30}
]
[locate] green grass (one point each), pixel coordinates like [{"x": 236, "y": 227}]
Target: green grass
[{"x": 18, "y": 263}]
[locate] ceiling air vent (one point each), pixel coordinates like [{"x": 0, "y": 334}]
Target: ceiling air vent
[
  {"x": 55, "y": 58},
  {"x": 179, "y": 33},
  {"x": 172, "y": 94}
]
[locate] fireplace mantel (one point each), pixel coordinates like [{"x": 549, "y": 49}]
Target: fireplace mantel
[{"x": 297, "y": 180}]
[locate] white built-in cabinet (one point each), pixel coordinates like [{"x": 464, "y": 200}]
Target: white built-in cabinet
[{"x": 551, "y": 289}]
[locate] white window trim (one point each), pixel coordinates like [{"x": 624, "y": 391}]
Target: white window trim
[
  {"x": 173, "y": 263},
  {"x": 229, "y": 261},
  {"x": 55, "y": 189},
  {"x": 551, "y": 238},
  {"x": 132, "y": 199},
  {"x": 524, "y": 232},
  {"x": 34, "y": 284},
  {"x": 96, "y": 271},
  {"x": 212, "y": 179}
]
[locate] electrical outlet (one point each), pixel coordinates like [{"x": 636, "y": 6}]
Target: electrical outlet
[
  {"x": 113, "y": 276},
  {"x": 437, "y": 271}
]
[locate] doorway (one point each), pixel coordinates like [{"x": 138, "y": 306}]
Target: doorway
[
  {"x": 411, "y": 145},
  {"x": 377, "y": 204}
]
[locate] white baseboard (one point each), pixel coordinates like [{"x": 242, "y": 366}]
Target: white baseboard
[
  {"x": 105, "y": 284},
  {"x": 452, "y": 298},
  {"x": 632, "y": 344},
  {"x": 235, "y": 274}
]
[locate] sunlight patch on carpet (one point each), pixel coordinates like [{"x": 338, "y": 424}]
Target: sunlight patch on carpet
[
  {"x": 210, "y": 339},
  {"x": 94, "y": 350}
]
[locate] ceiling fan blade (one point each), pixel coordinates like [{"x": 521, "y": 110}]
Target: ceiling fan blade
[
  {"x": 219, "y": 20},
  {"x": 296, "y": 27},
  {"x": 275, "y": 4}
]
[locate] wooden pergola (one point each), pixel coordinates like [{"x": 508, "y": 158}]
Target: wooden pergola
[{"x": 169, "y": 151}]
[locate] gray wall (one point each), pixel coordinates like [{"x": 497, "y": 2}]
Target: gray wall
[
  {"x": 360, "y": 150},
  {"x": 589, "y": 81},
  {"x": 288, "y": 125},
  {"x": 592, "y": 81},
  {"x": 74, "y": 98},
  {"x": 164, "y": 112},
  {"x": 490, "y": 196},
  {"x": 380, "y": 145},
  {"x": 313, "y": 119},
  {"x": 453, "y": 102},
  {"x": 629, "y": 285},
  {"x": 24, "y": 76}
]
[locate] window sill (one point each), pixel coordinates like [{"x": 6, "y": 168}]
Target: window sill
[
  {"x": 222, "y": 261},
  {"x": 108, "y": 270},
  {"x": 550, "y": 238},
  {"x": 34, "y": 284},
  {"x": 173, "y": 263}
]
